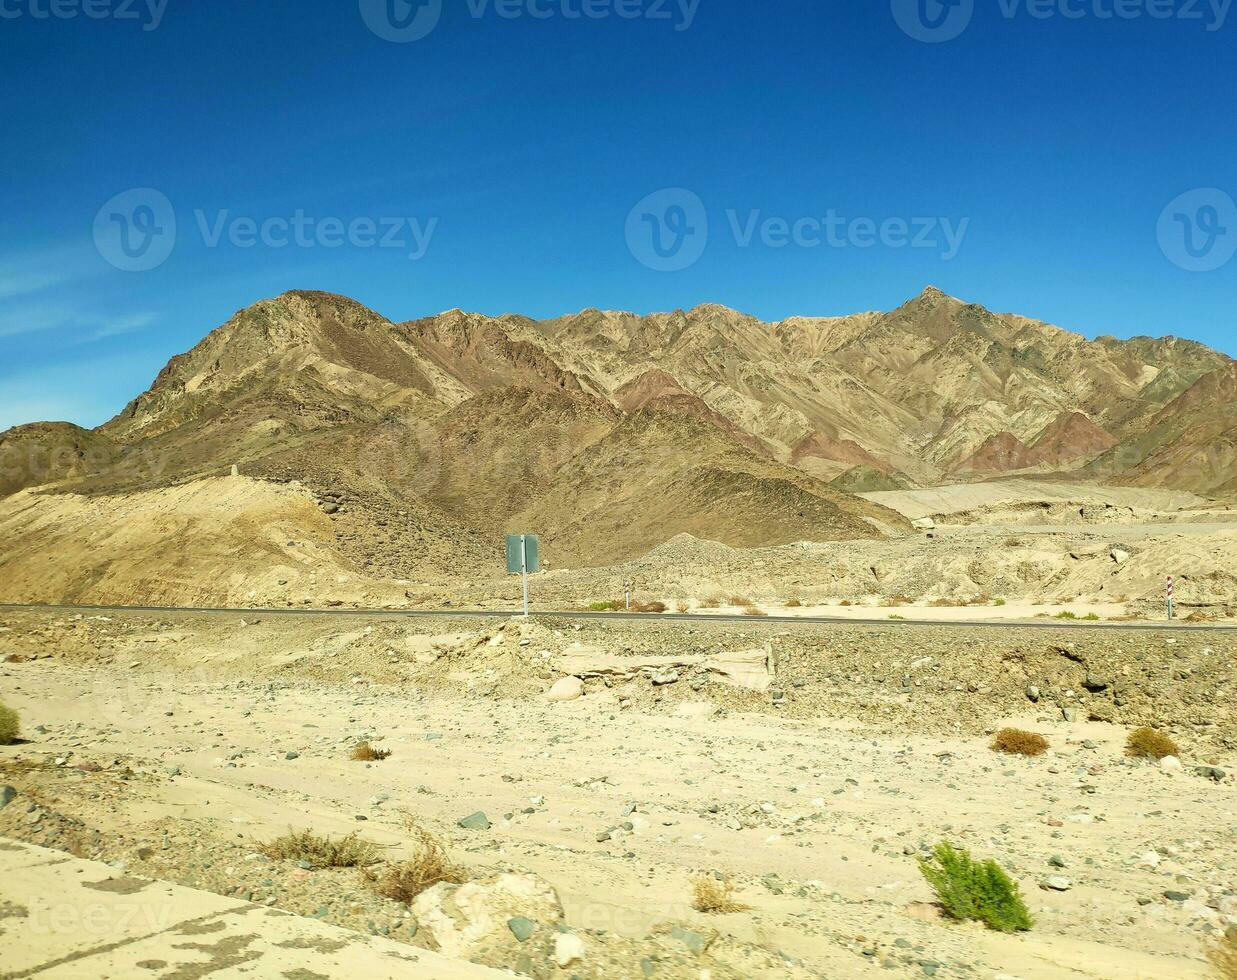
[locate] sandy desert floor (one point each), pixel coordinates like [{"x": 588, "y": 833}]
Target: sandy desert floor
[{"x": 170, "y": 745}]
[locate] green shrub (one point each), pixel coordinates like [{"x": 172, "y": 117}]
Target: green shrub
[
  {"x": 979, "y": 890},
  {"x": 10, "y": 726},
  {"x": 998, "y": 602},
  {"x": 1066, "y": 614}
]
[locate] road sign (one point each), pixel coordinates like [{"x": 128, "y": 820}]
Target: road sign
[
  {"x": 523, "y": 556},
  {"x": 532, "y": 550}
]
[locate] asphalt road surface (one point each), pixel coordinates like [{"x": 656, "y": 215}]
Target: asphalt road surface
[{"x": 1055, "y": 624}]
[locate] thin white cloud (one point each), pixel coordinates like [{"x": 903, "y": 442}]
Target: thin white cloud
[
  {"x": 33, "y": 319},
  {"x": 12, "y": 285},
  {"x": 120, "y": 326}
]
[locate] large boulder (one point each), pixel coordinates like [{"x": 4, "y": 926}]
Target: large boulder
[
  {"x": 465, "y": 920},
  {"x": 566, "y": 689}
]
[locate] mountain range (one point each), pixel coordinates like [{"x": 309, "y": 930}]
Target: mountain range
[{"x": 610, "y": 432}]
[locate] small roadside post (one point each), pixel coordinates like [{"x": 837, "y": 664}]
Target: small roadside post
[
  {"x": 1171, "y": 613},
  {"x": 523, "y": 556}
]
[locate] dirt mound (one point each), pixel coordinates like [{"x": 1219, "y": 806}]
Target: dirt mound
[
  {"x": 868, "y": 479},
  {"x": 226, "y": 541},
  {"x": 48, "y": 452}
]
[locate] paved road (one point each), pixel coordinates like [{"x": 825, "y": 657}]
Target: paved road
[
  {"x": 1055, "y": 624},
  {"x": 71, "y": 919}
]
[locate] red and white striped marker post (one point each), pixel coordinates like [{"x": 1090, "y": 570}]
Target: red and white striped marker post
[{"x": 1170, "y": 597}]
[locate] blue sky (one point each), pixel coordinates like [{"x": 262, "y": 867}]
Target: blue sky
[{"x": 542, "y": 156}]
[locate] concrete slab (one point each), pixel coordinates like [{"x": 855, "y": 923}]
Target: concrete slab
[{"x": 70, "y": 919}]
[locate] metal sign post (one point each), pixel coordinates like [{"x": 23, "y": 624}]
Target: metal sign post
[
  {"x": 523, "y": 556},
  {"x": 1171, "y": 613},
  {"x": 524, "y": 570}
]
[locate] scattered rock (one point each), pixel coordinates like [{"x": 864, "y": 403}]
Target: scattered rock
[
  {"x": 566, "y": 689},
  {"x": 462, "y": 919},
  {"x": 474, "y": 821},
  {"x": 568, "y": 948},
  {"x": 522, "y": 928}
]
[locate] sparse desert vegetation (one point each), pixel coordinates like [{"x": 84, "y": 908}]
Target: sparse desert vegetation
[
  {"x": 10, "y": 725},
  {"x": 428, "y": 865},
  {"x": 320, "y": 851},
  {"x": 1223, "y": 956},
  {"x": 1015, "y": 741},
  {"x": 364, "y": 752},
  {"x": 715, "y": 895},
  {"x": 1148, "y": 743},
  {"x": 975, "y": 890}
]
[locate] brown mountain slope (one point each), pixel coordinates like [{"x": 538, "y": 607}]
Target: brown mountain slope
[
  {"x": 658, "y": 474},
  {"x": 1072, "y": 436},
  {"x": 1191, "y": 442}
]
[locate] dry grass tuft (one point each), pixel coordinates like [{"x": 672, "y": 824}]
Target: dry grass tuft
[
  {"x": 1223, "y": 958},
  {"x": 1147, "y": 743},
  {"x": 751, "y": 610},
  {"x": 793, "y": 603},
  {"x": 710, "y": 894},
  {"x": 648, "y": 607},
  {"x": 428, "y": 866},
  {"x": 364, "y": 752},
  {"x": 712, "y": 602},
  {"x": 10, "y": 725},
  {"x": 320, "y": 851},
  {"x": 1015, "y": 741},
  {"x": 738, "y": 600}
]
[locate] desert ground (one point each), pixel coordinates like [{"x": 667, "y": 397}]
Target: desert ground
[
  {"x": 811, "y": 766},
  {"x": 857, "y": 549}
]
